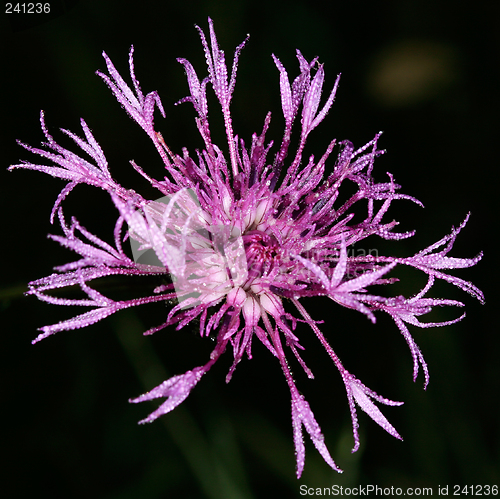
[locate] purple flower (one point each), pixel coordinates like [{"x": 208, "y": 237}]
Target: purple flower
[{"x": 242, "y": 235}]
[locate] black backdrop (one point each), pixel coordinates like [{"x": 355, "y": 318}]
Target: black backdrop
[{"x": 426, "y": 73}]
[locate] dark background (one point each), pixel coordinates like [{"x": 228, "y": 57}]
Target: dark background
[{"x": 426, "y": 73}]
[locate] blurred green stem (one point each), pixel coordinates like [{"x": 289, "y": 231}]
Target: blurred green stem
[{"x": 214, "y": 476}]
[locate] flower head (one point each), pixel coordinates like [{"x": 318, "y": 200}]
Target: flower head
[{"x": 246, "y": 237}]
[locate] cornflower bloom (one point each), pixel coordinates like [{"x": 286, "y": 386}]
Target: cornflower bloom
[{"x": 241, "y": 236}]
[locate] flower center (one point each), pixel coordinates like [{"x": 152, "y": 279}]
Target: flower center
[{"x": 262, "y": 253}]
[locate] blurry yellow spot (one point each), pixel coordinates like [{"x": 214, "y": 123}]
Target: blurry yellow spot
[{"x": 411, "y": 71}]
